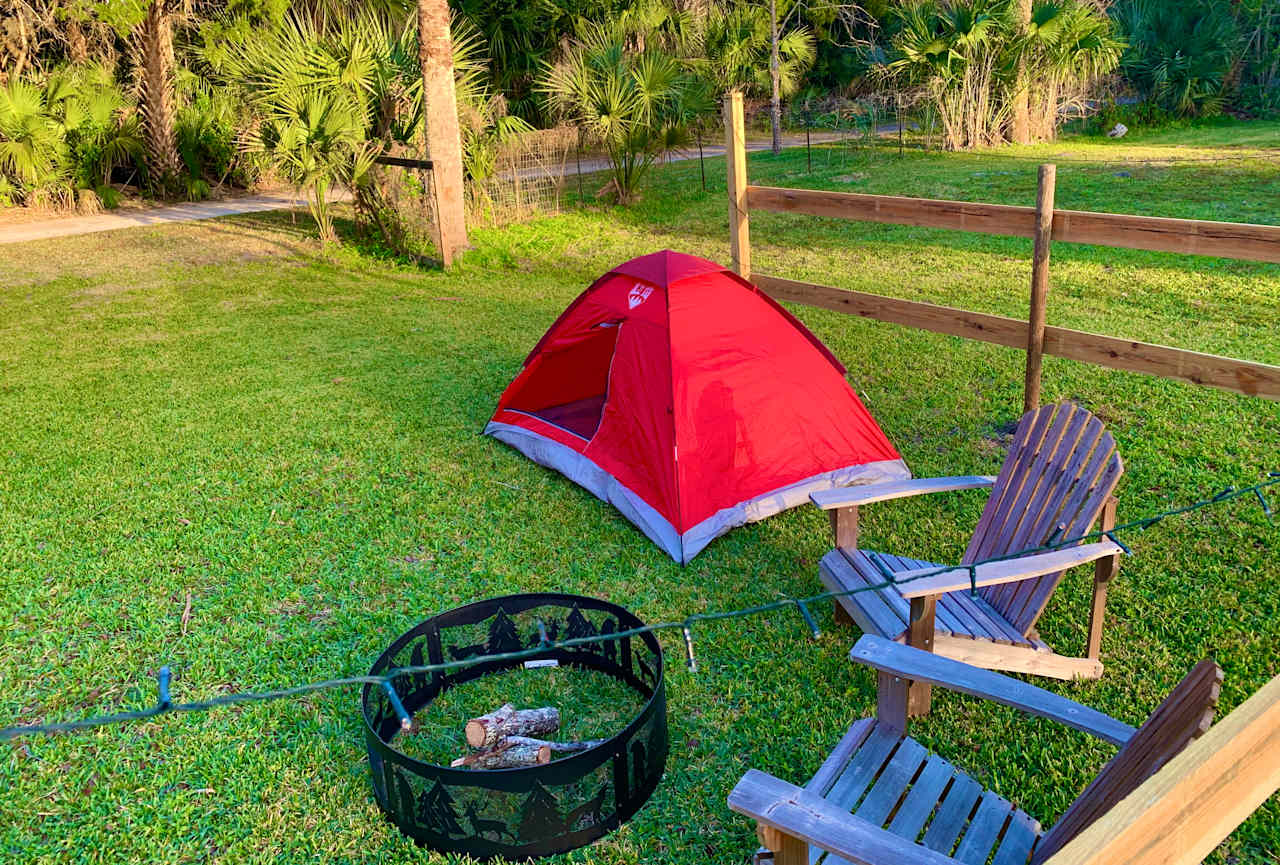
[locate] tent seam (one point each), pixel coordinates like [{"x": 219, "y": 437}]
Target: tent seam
[{"x": 675, "y": 440}]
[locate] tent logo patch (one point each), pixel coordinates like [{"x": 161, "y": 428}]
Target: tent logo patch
[{"x": 639, "y": 294}]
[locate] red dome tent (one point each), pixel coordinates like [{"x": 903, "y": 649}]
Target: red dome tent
[{"x": 692, "y": 402}]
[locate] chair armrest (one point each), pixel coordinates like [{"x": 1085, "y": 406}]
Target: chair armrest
[
  {"x": 920, "y": 666},
  {"x": 796, "y": 812},
  {"x": 842, "y": 497},
  {"x": 920, "y": 582}
]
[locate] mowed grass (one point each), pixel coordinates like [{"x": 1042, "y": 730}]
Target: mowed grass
[{"x": 229, "y": 452}]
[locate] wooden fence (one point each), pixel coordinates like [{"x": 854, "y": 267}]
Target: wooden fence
[{"x": 1045, "y": 225}]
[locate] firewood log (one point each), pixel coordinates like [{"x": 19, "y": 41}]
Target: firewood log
[
  {"x": 505, "y": 755},
  {"x": 516, "y": 751},
  {"x": 550, "y": 748},
  {"x": 507, "y": 720}
]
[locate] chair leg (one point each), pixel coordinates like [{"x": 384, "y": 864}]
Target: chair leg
[
  {"x": 892, "y": 696},
  {"x": 920, "y": 636},
  {"x": 1104, "y": 571},
  {"x": 844, "y": 527},
  {"x": 786, "y": 849},
  {"x": 844, "y": 536}
]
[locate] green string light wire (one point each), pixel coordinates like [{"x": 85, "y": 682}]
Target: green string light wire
[{"x": 165, "y": 706}]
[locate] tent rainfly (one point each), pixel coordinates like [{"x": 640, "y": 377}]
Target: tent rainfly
[{"x": 691, "y": 401}]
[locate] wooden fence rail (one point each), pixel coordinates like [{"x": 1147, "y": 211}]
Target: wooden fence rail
[
  {"x": 1158, "y": 234},
  {"x": 1044, "y": 223}
]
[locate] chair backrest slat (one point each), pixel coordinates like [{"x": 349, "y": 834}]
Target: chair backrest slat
[
  {"x": 1184, "y": 715},
  {"x": 1016, "y": 471},
  {"x": 1057, "y": 476}
]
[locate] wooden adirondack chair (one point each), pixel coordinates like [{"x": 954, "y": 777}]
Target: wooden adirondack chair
[
  {"x": 880, "y": 798},
  {"x": 1056, "y": 481}
]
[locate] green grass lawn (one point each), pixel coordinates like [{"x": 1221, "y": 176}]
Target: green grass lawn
[{"x": 218, "y": 414}]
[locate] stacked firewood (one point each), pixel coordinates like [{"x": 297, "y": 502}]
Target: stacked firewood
[{"x": 506, "y": 738}]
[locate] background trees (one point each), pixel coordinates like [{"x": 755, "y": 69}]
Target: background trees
[
  {"x": 176, "y": 96},
  {"x": 976, "y": 61},
  {"x": 638, "y": 102}
]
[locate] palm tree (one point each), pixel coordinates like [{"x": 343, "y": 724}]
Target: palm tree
[
  {"x": 32, "y": 150},
  {"x": 1065, "y": 47},
  {"x": 1180, "y": 54},
  {"x": 440, "y": 125},
  {"x": 738, "y": 44},
  {"x": 153, "y": 44},
  {"x": 638, "y": 103},
  {"x": 315, "y": 140},
  {"x": 60, "y": 139},
  {"x": 974, "y": 60}
]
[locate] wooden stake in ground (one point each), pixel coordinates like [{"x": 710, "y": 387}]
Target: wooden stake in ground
[
  {"x": 440, "y": 116},
  {"x": 507, "y": 720}
]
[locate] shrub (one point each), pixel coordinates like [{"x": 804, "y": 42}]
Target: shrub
[
  {"x": 1180, "y": 54},
  {"x": 969, "y": 59},
  {"x": 638, "y": 103}
]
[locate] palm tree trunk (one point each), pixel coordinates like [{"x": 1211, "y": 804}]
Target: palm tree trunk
[
  {"x": 20, "y": 57},
  {"x": 775, "y": 76},
  {"x": 1021, "y": 98},
  {"x": 77, "y": 42},
  {"x": 440, "y": 117},
  {"x": 156, "y": 97}
]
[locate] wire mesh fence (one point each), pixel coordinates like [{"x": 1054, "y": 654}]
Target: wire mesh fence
[{"x": 521, "y": 177}]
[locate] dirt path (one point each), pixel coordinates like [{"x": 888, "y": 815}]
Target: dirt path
[{"x": 66, "y": 226}]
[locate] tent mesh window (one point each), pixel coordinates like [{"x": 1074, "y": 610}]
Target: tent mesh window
[
  {"x": 529, "y": 811},
  {"x": 578, "y": 368}
]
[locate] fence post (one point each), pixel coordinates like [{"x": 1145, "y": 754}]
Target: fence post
[
  {"x": 808, "y": 150},
  {"x": 736, "y": 160},
  {"x": 898, "y": 103},
  {"x": 577, "y": 155},
  {"x": 1039, "y": 285},
  {"x": 702, "y": 165}
]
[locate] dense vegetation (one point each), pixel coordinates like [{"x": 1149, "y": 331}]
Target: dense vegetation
[
  {"x": 222, "y": 414},
  {"x": 185, "y": 99}
]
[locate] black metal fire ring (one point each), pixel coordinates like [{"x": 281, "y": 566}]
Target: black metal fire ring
[{"x": 532, "y": 811}]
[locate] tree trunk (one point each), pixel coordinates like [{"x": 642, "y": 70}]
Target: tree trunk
[
  {"x": 1021, "y": 97},
  {"x": 24, "y": 48},
  {"x": 77, "y": 42},
  {"x": 155, "y": 102},
  {"x": 775, "y": 76},
  {"x": 440, "y": 117}
]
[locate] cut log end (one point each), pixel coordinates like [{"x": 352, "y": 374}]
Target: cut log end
[{"x": 487, "y": 730}]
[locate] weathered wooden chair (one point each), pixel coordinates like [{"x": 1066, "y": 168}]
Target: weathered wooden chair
[
  {"x": 881, "y": 799},
  {"x": 1057, "y": 479}
]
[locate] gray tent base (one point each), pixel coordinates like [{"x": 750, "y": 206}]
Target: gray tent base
[{"x": 683, "y": 547}]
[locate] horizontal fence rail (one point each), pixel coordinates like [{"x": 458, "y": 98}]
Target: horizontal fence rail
[
  {"x": 1241, "y": 376},
  {"x": 1158, "y": 234},
  {"x": 1045, "y": 224},
  {"x": 423, "y": 164}
]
